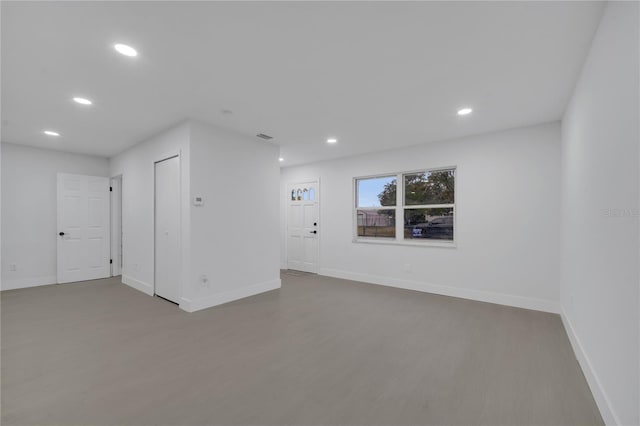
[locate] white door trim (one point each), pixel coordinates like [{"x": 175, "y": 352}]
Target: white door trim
[{"x": 116, "y": 225}]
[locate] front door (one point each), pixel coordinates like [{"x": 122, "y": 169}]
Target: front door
[
  {"x": 83, "y": 228},
  {"x": 303, "y": 227}
]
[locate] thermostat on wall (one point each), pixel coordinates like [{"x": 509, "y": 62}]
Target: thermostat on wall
[{"x": 198, "y": 201}]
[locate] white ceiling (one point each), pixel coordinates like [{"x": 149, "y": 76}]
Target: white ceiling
[{"x": 376, "y": 75}]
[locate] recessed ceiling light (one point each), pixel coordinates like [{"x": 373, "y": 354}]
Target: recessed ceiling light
[
  {"x": 332, "y": 140},
  {"x": 51, "y": 133},
  {"x": 465, "y": 111},
  {"x": 82, "y": 101},
  {"x": 126, "y": 50},
  {"x": 281, "y": 159}
]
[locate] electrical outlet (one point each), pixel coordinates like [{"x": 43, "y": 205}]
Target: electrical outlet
[
  {"x": 13, "y": 267},
  {"x": 204, "y": 281}
]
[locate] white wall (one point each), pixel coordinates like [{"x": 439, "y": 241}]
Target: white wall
[
  {"x": 29, "y": 210},
  {"x": 508, "y": 219},
  {"x": 234, "y": 238},
  {"x": 600, "y": 185},
  {"x": 137, "y": 167}
]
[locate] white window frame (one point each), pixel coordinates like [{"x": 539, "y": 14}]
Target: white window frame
[
  {"x": 356, "y": 208},
  {"x": 400, "y": 208}
]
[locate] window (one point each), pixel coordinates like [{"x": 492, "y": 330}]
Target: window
[
  {"x": 372, "y": 218},
  {"x": 429, "y": 204},
  {"x": 421, "y": 210}
]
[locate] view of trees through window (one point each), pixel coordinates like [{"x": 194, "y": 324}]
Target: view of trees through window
[
  {"x": 424, "y": 188},
  {"x": 427, "y": 209}
]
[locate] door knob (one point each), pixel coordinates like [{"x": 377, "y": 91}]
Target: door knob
[
  {"x": 313, "y": 232},
  {"x": 61, "y": 234}
]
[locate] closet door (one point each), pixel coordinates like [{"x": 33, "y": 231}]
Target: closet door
[{"x": 167, "y": 229}]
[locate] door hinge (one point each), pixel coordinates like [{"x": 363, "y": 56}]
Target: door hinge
[
  {"x": 111, "y": 261},
  {"x": 111, "y": 189}
]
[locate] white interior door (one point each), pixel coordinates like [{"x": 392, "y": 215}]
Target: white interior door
[
  {"x": 83, "y": 227},
  {"x": 303, "y": 227},
  {"x": 167, "y": 229}
]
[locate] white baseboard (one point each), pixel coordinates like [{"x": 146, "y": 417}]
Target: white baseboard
[
  {"x": 146, "y": 288},
  {"x": 28, "y": 282},
  {"x": 602, "y": 400},
  {"x": 228, "y": 296},
  {"x": 464, "y": 293}
]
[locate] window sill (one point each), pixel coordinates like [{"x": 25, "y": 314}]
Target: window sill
[{"x": 394, "y": 242}]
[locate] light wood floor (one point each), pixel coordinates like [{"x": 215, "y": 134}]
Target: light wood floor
[{"x": 318, "y": 351}]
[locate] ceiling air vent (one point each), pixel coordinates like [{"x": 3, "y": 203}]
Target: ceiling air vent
[{"x": 265, "y": 137}]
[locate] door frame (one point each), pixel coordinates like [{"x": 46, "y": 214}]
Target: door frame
[
  {"x": 116, "y": 225},
  {"x": 287, "y": 193},
  {"x": 167, "y": 156}
]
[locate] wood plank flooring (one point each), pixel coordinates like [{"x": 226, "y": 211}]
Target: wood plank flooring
[{"x": 319, "y": 351}]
